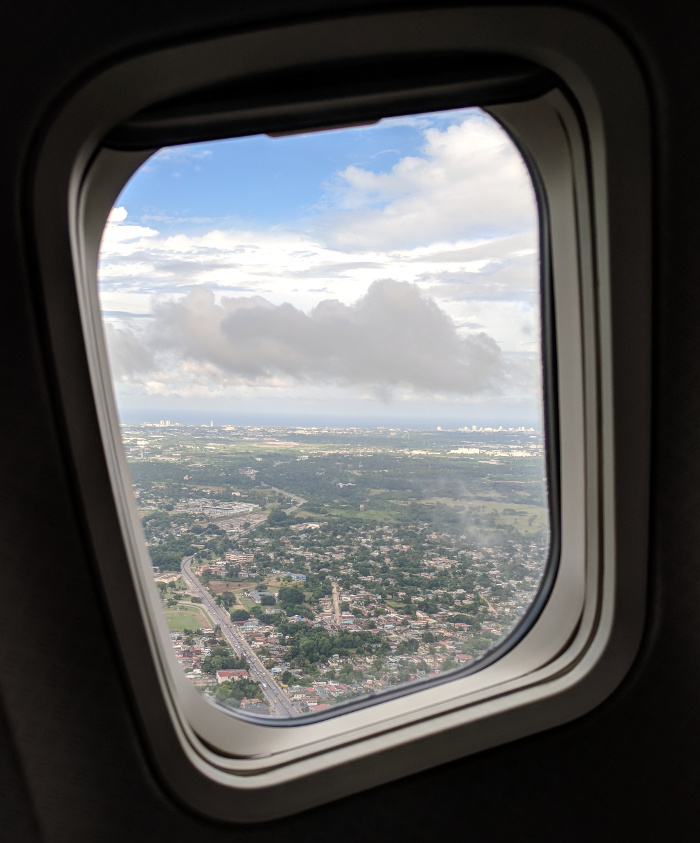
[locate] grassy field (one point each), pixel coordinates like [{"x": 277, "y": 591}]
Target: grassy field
[
  {"x": 184, "y": 617},
  {"x": 524, "y": 517},
  {"x": 177, "y": 585},
  {"x": 381, "y": 516},
  {"x": 219, "y": 586},
  {"x": 244, "y": 601}
]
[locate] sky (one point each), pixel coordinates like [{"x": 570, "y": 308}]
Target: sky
[{"x": 386, "y": 273}]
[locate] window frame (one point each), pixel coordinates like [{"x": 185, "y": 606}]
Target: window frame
[{"x": 593, "y": 160}]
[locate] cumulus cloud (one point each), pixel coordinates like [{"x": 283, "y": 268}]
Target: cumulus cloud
[
  {"x": 512, "y": 279},
  {"x": 392, "y": 337},
  {"x": 468, "y": 180},
  {"x": 128, "y": 353},
  {"x": 231, "y": 311},
  {"x": 502, "y": 268},
  {"x": 459, "y": 210},
  {"x": 121, "y": 238}
]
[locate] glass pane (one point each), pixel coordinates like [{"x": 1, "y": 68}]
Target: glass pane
[{"x": 326, "y": 352}]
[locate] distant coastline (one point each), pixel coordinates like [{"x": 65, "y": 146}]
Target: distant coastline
[{"x": 242, "y": 419}]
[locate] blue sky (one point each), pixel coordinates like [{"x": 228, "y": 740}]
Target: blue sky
[
  {"x": 386, "y": 272},
  {"x": 262, "y": 181}
]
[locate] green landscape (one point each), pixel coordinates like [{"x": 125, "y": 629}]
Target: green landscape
[{"x": 351, "y": 560}]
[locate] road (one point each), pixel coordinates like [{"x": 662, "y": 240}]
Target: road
[
  {"x": 279, "y": 703},
  {"x": 336, "y": 603},
  {"x": 299, "y": 501}
]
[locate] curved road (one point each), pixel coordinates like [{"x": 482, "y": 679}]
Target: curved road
[
  {"x": 299, "y": 500},
  {"x": 279, "y": 703}
]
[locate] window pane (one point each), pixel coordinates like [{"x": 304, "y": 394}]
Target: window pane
[{"x": 326, "y": 353}]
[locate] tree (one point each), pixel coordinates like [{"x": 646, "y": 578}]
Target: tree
[
  {"x": 290, "y": 596},
  {"x": 239, "y": 615},
  {"x": 231, "y": 693},
  {"x": 221, "y": 658},
  {"x": 226, "y": 599},
  {"x": 278, "y": 518},
  {"x": 405, "y": 647}
]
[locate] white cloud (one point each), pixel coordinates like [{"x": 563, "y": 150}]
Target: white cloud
[
  {"x": 392, "y": 337},
  {"x": 181, "y": 153},
  {"x": 117, "y": 215},
  {"x": 469, "y": 179},
  {"x": 178, "y": 155},
  {"x": 121, "y": 239},
  {"x": 455, "y": 229},
  {"x": 291, "y": 266}
]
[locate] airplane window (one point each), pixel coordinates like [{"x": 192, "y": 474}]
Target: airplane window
[
  {"x": 359, "y": 418},
  {"x": 326, "y": 350}
]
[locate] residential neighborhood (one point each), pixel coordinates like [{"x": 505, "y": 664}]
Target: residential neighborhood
[{"x": 338, "y": 588}]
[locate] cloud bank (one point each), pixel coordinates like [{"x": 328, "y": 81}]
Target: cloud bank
[
  {"x": 413, "y": 281},
  {"x": 393, "y": 336}
]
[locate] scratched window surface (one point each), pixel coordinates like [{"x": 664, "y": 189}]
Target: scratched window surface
[{"x": 326, "y": 355}]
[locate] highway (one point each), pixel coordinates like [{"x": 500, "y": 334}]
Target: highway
[
  {"x": 299, "y": 501},
  {"x": 278, "y": 701}
]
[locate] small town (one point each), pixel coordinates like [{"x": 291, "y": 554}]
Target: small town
[{"x": 300, "y": 568}]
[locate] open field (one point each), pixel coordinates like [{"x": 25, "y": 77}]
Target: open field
[
  {"x": 381, "y": 516},
  {"x": 210, "y": 488},
  {"x": 183, "y": 617},
  {"x": 220, "y": 586},
  {"x": 526, "y": 518},
  {"x": 172, "y": 580},
  {"x": 246, "y": 602}
]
